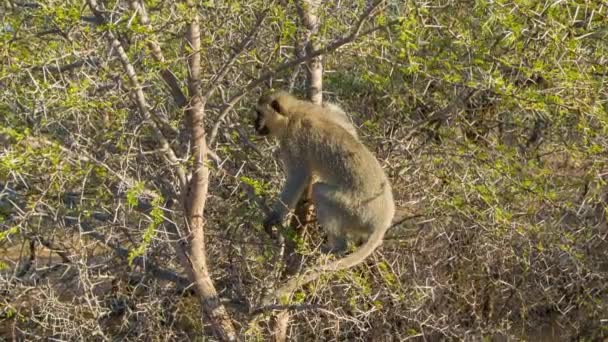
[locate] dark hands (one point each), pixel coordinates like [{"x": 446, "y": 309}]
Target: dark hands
[{"x": 273, "y": 219}]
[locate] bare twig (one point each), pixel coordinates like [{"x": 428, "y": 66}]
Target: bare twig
[
  {"x": 225, "y": 110},
  {"x": 441, "y": 114},
  {"x": 123, "y": 253},
  {"x": 346, "y": 39},
  {"x": 52, "y": 248},
  {"x": 27, "y": 265},
  {"x": 238, "y": 50},
  {"x": 67, "y": 67},
  {"x": 84, "y": 156}
]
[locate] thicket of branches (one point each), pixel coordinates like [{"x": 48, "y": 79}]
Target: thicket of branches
[{"x": 132, "y": 186}]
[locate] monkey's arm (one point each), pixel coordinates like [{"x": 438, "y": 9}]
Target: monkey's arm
[{"x": 298, "y": 177}]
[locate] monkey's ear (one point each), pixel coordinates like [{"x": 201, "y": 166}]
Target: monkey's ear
[{"x": 277, "y": 107}]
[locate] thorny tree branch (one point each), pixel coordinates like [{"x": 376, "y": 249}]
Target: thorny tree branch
[
  {"x": 140, "y": 97},
  {"x": 123, "y": 253},
  {"x": 84, "y": 156},
  {"x": 307, "y": 12},
  {"x": 56, "y": 68},
  {"x": 152, "y": 269},
  {"x": 170, "y": 80},
  {"x": 238, "y": 50},
  {"x": 346, "y": 39},
  {"x": 443, "y": 113},
  {"x": 214, "y": 83}
]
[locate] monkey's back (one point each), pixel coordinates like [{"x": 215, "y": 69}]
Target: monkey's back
[
  {"x": 337, "y": 158},
  {"x": 341, "y": 160}
]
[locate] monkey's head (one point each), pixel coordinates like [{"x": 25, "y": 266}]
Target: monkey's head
[{"x": 272, "y": 113}]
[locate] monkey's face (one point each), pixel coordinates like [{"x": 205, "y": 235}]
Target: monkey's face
[
  {"x": 270, "y": 119},
  {"x": 260, "y": 123}
]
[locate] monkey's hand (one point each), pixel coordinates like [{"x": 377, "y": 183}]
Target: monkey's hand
[{"x": 273, "y": 219}]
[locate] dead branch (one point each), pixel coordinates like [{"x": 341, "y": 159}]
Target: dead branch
[{"x": 56, "y": 68}]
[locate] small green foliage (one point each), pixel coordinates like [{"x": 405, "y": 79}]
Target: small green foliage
[
  {"x": 157, "y": 218},
  {"x": 412, "y": 332},
  {"x": 389, "y": 278},
  {"x": 3, "y": 266},
  {"x": 258, "y": 186},
  {"x": 298, "y": 297},
  {"x": 9, "y": 312},
  {"x": 11, "y": 231},
  {"x": 372, "y": 126},
  {"x": 157, "y": 213},
  {"x": 363, "y": 283},
  {"x": 133, "y": 193},
  {"x": 15, "y": 134}
]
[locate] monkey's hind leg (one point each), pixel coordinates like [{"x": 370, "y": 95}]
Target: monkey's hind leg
[{"x": 331, "y": 216}]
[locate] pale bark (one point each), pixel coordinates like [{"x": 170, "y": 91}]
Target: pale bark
[
  {"x": 196, "y": 194},
  {"x": 307, "y": 10}
]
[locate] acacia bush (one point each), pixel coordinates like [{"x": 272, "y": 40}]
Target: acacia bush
[{"x": 490, "y": 119}]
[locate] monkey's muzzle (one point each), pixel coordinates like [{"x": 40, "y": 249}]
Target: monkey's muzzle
[{"x": 260, "y": 127}]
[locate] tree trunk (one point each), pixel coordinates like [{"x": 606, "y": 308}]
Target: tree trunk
[
  {"x": 307, "y": 11},
  {"x": 196, "y": 195}
]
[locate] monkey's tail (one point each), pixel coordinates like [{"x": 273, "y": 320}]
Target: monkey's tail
[
  {"x": 356, "y": 257},
  {"x": 348, "y": 261}
]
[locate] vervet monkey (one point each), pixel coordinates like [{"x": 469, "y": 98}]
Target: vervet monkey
[
  {"x": 337, "y": 115},
  {"x": 352, "y": 194}
]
